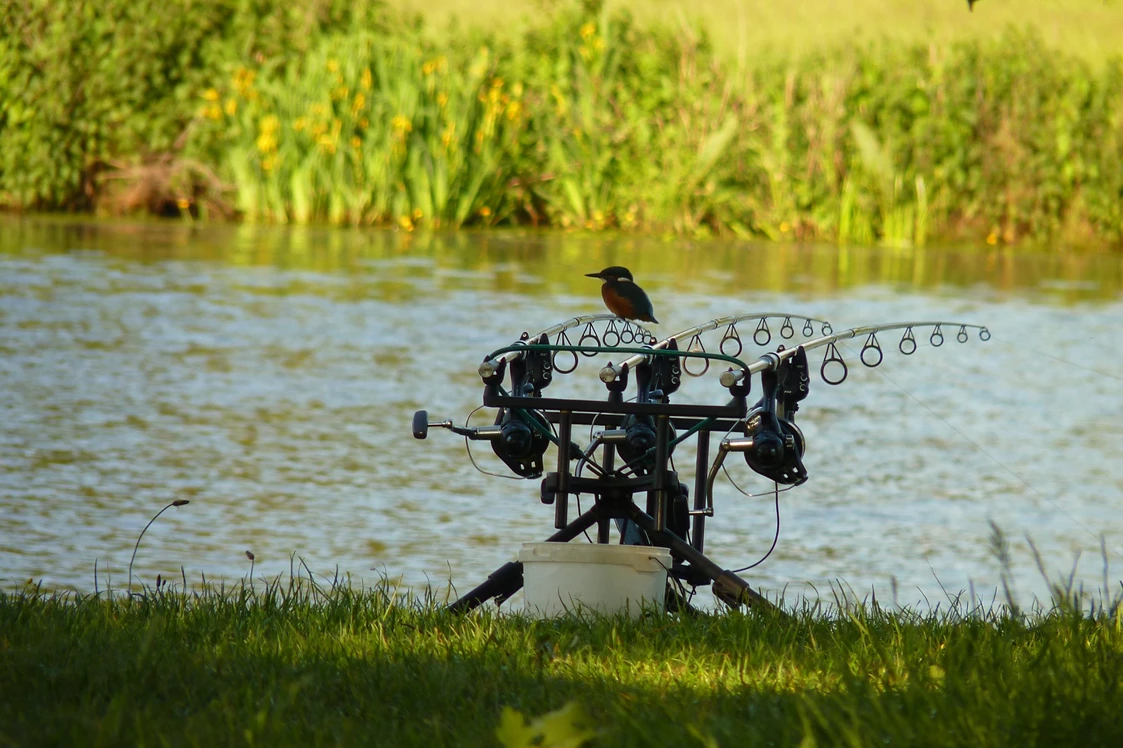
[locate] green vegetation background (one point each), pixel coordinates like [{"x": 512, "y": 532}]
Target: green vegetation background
[{"x": 351, "y": 112}]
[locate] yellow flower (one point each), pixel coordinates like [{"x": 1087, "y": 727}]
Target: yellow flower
[
  {"x": 417, "y": 214},
  {"x": 992, "y": 238},
  {"x": 326, "y": 143},
  {"x": 513, "y": 110},
  {"x": 401, "y": 125},
  {"x": 212, "y": 111},
  {"x": 266, "y": 142},
  {"x": 210, "y": 94},
  {"x": 299, "y": 124},
  {"x": 183, "y": 203},
  {"x": 427, "y": 68},
  {"x": 405, "y": 223},
  {"x": 442, "y": 99},
  {"x": 243, "y": 82},
  {"x": 269, "y": 162},
  {"x": 358, "y": 103},
  {"x": 588, "y": 30},
  {"x": 231, "y": 107},
  {"x": 784, "y": 227},
  {"x": 365, "y": 79},
  {"x": 448, "y": 134},
  {"x": 333, "y": 65},
  {"x": 364, "y": 123},
  {"x": 356, "y": 142},
  {"x": 267, "y": 137},
  {"x": 485, "y": 211}
]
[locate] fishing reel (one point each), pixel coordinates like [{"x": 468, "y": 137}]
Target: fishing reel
[
  {"x": 777, "y": 442},
  {"x": 518, "y": 437},
  {"x": 522, "y": 441},
  {"x": 656, "y": 381},
  {"x": 638, "y": 445},
  {"x": 773, "y": 447}
]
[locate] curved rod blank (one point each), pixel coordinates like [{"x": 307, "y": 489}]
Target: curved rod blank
[
  {"x": 613, "y": 371},
  {"x": 772, "y": 360},
  {"x": 491, "y": 364},
  {"x": 520, "y": 348}
]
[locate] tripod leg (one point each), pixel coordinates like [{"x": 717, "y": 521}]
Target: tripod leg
[
  {"x": 503, "y": 582},
  {"x": 727, "y": 586},
  {"x": 508, "y": 579}
]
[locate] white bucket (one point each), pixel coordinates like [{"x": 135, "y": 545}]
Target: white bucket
[{"x": 560, "y": 578}]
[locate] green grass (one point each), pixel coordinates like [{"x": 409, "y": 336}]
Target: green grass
[{"x": 292, "y": 663}]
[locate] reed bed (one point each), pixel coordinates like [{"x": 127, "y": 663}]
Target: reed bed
[{"x": 585, "y": 118}]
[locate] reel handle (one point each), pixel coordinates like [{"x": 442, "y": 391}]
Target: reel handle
[{"x": 422, "y": 424}]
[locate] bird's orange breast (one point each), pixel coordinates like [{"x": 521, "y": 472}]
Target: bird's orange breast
[
  {"x": 628, "y": 301},
  {"x": 619, "y": 305}
]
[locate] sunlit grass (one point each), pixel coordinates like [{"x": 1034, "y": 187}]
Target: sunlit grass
[
  {"x": 1089, "y": 28},
  {"x": 292, "y": 662}
]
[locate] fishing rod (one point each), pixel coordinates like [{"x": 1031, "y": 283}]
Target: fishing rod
[
  {"x": 640, "y": 433},
  {"x": 630, "y": 332},
  {"x": 907, "y": 345},
  {"x": 762, "y": 336}
]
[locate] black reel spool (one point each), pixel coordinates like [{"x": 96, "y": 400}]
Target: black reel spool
[
  {"x": 777, "y": 451},
  {"x": 777, "y": 442},
  {"x": 520, "y": 444},
  {"x": 655, "y": 381},
  {"x": 639, "y": 440}
]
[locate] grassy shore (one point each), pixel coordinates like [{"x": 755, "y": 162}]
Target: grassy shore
[{"x": 295, "y": 664}]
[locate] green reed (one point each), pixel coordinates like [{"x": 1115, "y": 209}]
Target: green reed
[{"x": 588, "y": 119}]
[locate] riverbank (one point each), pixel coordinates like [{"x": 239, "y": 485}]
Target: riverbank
[
  {"x": 350, "y": 113},
  {"x": 291, "y": 663}
]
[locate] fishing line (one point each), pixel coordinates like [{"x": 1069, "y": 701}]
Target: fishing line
[
  {"x": 468, "y": 446},
  {"x": 745, "y": 493},
  {"x": 1019, "y": 348},
  {"x": 734, "y": 483},
  {"x": 584, "y": 532},
  {"x": 994, "y": 459},
  {"x": 775, "y": 539}
]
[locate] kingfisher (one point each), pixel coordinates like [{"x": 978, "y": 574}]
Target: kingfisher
[{"x": 622, "y": 296}]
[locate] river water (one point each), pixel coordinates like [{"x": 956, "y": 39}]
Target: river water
[{"x": 269, "y": 376}]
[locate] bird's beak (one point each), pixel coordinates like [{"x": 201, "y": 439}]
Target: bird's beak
[{"x": 593, "y": 275}]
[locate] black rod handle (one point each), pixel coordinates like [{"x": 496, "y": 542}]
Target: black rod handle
[{"x": 561, "y": 498}]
